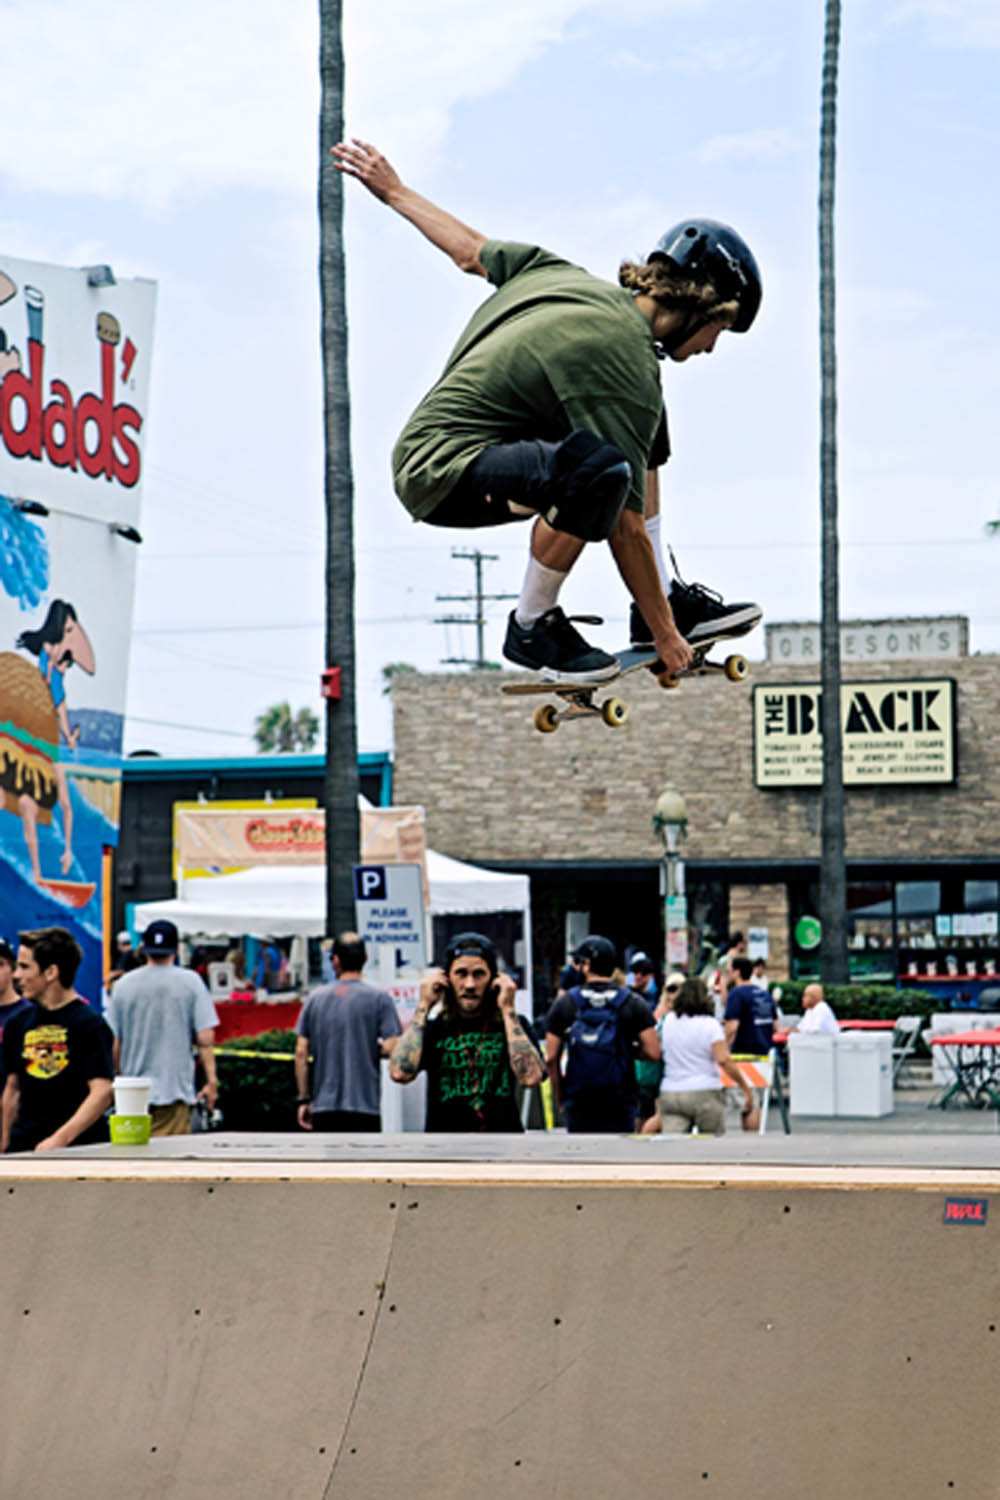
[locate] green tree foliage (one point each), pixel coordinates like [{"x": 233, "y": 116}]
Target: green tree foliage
[
  {"x": 392, "y": 670},
  {"x": 278, "y": 730}
]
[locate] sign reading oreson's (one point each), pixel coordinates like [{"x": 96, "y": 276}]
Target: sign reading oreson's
[{"x": 893, "y": 733}]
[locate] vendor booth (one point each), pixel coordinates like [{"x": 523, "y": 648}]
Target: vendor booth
[{"x": 290, "y": 901}]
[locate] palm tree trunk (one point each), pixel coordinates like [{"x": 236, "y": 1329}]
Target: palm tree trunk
[
  {"x": 341, "y": 780},
  {"x": 833, "y": 882}
]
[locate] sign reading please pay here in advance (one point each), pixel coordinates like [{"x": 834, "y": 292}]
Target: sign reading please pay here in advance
[{"x": 893, "y": 733}]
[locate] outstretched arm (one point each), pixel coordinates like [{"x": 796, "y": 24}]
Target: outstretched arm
[{"x": 358, "y": 159}]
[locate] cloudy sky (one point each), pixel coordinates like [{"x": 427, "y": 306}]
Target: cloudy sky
[{"x": 177, "y": 140}]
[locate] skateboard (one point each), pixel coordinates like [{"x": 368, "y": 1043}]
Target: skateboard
[{"x": 579, "y": 696}]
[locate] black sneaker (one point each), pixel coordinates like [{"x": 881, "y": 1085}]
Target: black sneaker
[
  {"x": 702, "y": 611},
  {"x": 701, "y": 614},
  {"x": 639, "y": 634},
  {"x": 553, "y": 647}
]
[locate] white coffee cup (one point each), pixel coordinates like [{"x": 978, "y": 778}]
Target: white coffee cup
[{"x": 132, "y": 1095}]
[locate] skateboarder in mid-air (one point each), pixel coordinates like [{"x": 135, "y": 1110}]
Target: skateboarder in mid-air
[{"x": 550, "y": 406}]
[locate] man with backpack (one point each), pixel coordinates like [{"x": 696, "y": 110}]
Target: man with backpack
[{"x": 601, "y": 1027}]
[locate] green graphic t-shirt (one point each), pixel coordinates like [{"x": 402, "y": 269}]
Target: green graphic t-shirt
[
  {"x": 470, "y": 1085},
  {"x": 554, "y": 349}
]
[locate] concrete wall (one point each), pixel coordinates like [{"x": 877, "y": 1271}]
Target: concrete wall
[{"x": 495, "y": 789}]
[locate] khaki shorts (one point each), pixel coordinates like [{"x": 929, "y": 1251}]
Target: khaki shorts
[
  {"x": 171, "y": 1119},
  {"x": 704, "y": 1109}
]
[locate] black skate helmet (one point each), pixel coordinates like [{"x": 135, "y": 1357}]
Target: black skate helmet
[
  {"x": 713, "y": 251},
  {"x": 599, "y": 952}
]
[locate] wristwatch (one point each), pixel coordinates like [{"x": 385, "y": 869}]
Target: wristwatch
[{"x": 304, "y": 1099}]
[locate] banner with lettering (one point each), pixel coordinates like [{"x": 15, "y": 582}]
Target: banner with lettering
[
  {"x": 224, "y": 838},
  {"x": 74, "y": 379},
  {"x": 894, "y": 733}
]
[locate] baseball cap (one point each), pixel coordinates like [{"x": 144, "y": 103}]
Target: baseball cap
[
  {"x": 674, "y": 980},
  {"x": 160, "y": 937},
  {"x": 642, "y": 964}
]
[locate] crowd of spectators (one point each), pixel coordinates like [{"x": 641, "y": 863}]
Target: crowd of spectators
[{"x": 622, "y": 1049}]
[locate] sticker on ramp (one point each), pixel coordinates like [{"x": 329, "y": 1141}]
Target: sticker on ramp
[{"x": 966, "y": 1210}]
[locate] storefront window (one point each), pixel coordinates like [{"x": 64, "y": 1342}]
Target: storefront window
[
  {"x": 918, "y": 898},
  {"x": 982, "y": 895}
]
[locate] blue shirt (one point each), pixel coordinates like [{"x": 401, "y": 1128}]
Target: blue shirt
[{"x": 752, "y": 1007}]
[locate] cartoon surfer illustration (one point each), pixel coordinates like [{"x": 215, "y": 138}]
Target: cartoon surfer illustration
[{"x": 33, "y": 720}]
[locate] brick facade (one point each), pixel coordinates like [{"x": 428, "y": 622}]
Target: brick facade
[{"x": 496, "y": 790}]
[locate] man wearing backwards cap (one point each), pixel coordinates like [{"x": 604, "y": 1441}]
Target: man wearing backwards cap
[
  {"x": 476, "y": 1049},
  {"x": 158, "y": 1013}
]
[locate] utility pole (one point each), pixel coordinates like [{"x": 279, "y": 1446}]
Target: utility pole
[{"x": 477, "y": 558}]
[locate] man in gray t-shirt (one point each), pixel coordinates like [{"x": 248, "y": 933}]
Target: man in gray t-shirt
[
  {"x": 347, "y": 1027},
  {"x": 158, "y": 1014}
]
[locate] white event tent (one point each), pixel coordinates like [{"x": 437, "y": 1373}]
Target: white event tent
[{"x": 290, "y": 901}]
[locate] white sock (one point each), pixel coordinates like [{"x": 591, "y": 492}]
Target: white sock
[
  {"x": 653, "y": 532},
  {"x": 539, "y": 592}
]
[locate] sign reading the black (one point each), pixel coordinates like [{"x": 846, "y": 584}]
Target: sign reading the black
[
  {"x": 893, "y": 733},
  {"x": 966, "y": 1210}
]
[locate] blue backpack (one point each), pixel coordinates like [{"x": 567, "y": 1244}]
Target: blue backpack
[{"x": 597, "y": 1058}]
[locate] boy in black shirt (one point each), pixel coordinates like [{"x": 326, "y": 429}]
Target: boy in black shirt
[
  {"x": 476, "y": 1050},
  {"x": 57, "y": 1053}
]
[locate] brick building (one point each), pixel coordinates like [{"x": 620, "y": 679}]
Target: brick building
[{"x": 574, "y": 810}]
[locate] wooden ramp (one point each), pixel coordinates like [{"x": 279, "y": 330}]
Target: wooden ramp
[{"x": 570, "y": 1320}]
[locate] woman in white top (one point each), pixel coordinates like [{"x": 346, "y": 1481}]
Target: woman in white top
[{"x": 694, "y": 1049}]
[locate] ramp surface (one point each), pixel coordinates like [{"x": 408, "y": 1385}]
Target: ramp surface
[{"x": 593, "y": 1322}]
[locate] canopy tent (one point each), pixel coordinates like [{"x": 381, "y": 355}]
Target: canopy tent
[{"x": 290, "y": 901}]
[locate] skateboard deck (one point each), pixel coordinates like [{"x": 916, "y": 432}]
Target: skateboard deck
[{"x": 579, "y": 697}]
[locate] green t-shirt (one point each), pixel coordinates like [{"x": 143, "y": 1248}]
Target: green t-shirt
[{"x": 554, "y": 349}]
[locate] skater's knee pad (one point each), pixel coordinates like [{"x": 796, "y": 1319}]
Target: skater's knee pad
[{"x": 589, "y": 481}]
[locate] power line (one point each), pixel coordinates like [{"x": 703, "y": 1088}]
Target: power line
[
  {"x": 479, "y": 598},
  {"x": 195, "y": 728}
]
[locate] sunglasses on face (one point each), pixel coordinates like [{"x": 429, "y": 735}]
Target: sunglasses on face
[{"x": 674, "y": 989}]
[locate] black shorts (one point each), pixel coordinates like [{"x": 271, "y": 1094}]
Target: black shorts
[
  {"x": 599, "y": 1116},
  {"x": 349, "y": 1120},
  {"x": 500, "y": 473}
]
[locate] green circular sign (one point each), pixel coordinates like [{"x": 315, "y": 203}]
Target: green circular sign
[{"x": 808, "y": 931}]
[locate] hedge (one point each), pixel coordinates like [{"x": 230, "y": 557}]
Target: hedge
[
  {"x": 257, "y": 1093},
  {"x": 865, "y": 1002}
]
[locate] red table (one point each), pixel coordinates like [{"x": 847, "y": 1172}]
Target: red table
[
  {"x": 976, "y": 1066},
  {"x": 782, "y": 1036}
]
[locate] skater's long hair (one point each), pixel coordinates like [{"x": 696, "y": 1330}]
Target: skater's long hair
[
  {"x": 673, "y": 289},
  {"x": 52, "y": 629},
  {"x": 693, "y": 999}
]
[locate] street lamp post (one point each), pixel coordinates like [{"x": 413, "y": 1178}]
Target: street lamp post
[{"x": 670, "y": 823}]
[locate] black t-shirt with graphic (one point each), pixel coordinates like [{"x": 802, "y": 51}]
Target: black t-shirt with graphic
[
  {"x": 54, "y": 1053},
  {"x": 470, "y": 1082}
]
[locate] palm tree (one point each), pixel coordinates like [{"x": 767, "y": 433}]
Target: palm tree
[
  {"x": 833, "y": 880},
  {"x": 278, "y": 729},
  {"x": 341, "y": 780}
]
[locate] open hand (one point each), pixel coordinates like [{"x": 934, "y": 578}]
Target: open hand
[{"x": 358, "y": 159}]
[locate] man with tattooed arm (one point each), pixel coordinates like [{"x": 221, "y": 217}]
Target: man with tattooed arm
[{"x": 475, "y": 1049}]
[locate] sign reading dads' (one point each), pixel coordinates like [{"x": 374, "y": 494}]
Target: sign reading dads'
[{"x": 389, "y": 903}]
